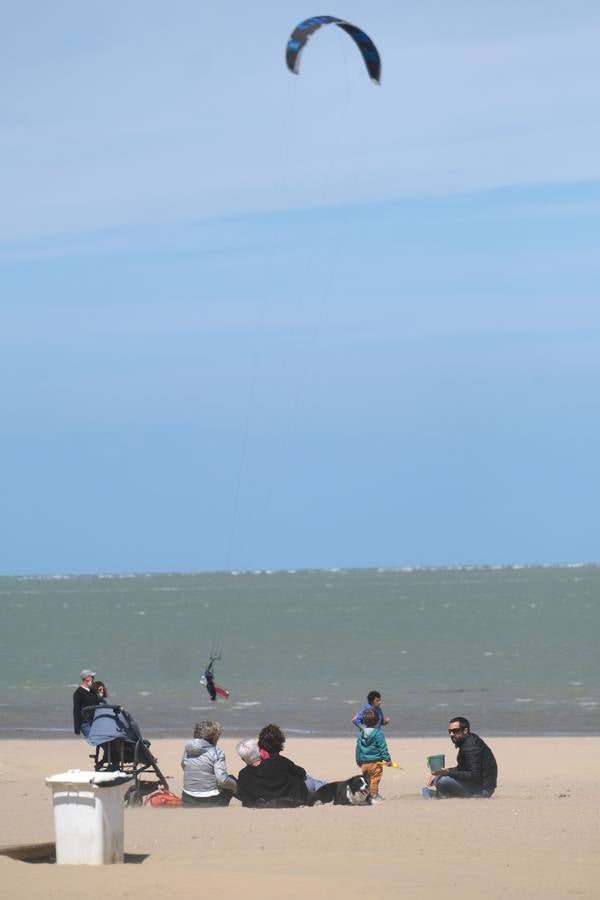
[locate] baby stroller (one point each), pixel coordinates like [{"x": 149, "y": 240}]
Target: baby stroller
[{"x": 116, "y": 734}]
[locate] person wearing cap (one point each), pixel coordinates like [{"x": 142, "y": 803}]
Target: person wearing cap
[{"x": 82, "y": 697}]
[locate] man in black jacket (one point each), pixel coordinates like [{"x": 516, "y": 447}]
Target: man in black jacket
[
  {"x": 83, "y": 696},
  {"x": 475, "y": 773}
]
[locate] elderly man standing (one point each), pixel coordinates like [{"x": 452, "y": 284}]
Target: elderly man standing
[
  {"x": 82, "y": 697},
  {"x": 475, "y": 773}
]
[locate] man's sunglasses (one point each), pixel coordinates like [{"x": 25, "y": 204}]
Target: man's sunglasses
[{"x": 454, "y": 730}]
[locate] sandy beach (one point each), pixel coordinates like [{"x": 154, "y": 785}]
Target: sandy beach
[{"x": 538, "y": 836}]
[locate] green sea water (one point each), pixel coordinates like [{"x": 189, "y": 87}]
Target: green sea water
[{"x": 513, "y": 649}]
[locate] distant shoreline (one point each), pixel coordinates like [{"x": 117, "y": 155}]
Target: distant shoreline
[{"x": 309, "y": 570}]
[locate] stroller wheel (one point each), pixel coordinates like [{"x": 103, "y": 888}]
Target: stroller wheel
[{"x": 134, "y": 797}]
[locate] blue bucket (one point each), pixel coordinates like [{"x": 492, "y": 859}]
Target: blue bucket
[{"x": 437, "y": 762}]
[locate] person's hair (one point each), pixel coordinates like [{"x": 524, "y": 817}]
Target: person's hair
[
  {"x": 96, "y": 687},
  {"x": 370, "y": 718},
  {"x": 271, "y": 739},
  {"x": 373, "y": 695},
  {"x": 208, "y": 730},
  {"x": 248, "y": 750},
  {"x": 464, "y": 723}
]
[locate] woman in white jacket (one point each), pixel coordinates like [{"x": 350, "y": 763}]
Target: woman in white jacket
[{"x": 206, "y": 781}]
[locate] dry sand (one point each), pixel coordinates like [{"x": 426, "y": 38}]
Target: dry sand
[{"x": 538, "y": 836}]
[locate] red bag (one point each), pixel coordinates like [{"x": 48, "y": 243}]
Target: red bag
[{"x": 162, "y": 797}]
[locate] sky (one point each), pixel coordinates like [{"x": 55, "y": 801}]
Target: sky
[{"x": 257, "y": 320}]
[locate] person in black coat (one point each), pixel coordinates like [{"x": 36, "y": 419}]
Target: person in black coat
[
  {"x": 269, "y": 779},
  {"x": 475, "y": 773},
  {"x": 82, "y": 697}
]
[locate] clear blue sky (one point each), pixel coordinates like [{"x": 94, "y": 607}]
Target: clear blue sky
[{"x": 256, "y": 320}]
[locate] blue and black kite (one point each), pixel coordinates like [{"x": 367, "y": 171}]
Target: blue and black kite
[{"x": 303, "y": 31}]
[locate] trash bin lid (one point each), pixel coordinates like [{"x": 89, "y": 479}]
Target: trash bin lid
[{"x": 77, "y": 776}]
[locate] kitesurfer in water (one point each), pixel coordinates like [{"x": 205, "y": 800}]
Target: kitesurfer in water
[{"x": 209, "y": 677}]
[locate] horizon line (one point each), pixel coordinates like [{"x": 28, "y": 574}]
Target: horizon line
[{"x": 404, "y": 569}]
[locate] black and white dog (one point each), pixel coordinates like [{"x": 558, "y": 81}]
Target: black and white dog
[{"x": 351, "y": 792}]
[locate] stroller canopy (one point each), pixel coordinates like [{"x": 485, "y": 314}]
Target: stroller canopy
[{"x": 111, "y": 723}]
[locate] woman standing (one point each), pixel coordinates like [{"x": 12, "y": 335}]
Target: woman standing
[{"x": 99, "y": 689}]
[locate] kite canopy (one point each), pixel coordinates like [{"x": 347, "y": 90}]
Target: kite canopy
[{"x": 303, "y": 31}]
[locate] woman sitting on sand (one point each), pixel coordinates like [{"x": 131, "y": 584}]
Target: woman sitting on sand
[
  {"x": 274, "y": 782},
  {"x": 206, "y": 781}
]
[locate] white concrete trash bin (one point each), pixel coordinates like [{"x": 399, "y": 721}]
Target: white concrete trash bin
[{"x": 88, "y": 816}]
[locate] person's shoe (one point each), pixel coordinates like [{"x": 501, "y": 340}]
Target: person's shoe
[{"x": 376, "y": 798}]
